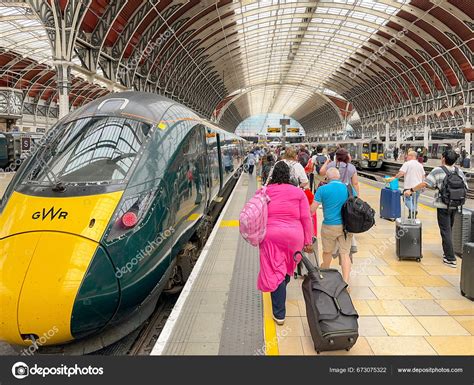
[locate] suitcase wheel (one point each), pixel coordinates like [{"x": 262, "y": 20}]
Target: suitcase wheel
[
  {"x": 418, "y": 259},
  {"x": 351, "y": 340},
  {"x": 347, "y": 349},
  {"x": 318, "y": 352},
  {"x": 463, "y": 294}
]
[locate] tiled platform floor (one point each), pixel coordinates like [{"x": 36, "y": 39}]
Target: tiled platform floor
[{"x": 405, "y": 308}]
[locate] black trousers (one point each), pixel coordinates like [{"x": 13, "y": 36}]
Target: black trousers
[
  {"x": 279, "y": 299},
  {"x": 445, "y": 223},
  {"x": 311, "y": 181},
  {"x": 251, "y": 166}
]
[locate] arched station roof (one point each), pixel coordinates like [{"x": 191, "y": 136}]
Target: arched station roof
[{"x": 317, "y": 61}]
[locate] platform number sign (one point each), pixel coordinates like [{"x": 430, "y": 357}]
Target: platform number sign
[{"x": 25, "y": 143}]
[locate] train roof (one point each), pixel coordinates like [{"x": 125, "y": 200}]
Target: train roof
[{"x": 145, "y": 106}]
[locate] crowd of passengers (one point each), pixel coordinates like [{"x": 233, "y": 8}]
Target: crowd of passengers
[{"x": 299, "y": 180}]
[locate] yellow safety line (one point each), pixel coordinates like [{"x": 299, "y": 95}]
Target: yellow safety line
[
  {"x": 269, "y": 328},
  {"x": 230, "y": 223}
]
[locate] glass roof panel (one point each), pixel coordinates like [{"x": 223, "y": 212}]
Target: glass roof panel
[
  {"x": 302, "y": 46},
  {"x": 24, "y": 34}
]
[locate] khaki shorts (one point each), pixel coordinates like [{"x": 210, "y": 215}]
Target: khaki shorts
[{"x": 331, "y": 236}]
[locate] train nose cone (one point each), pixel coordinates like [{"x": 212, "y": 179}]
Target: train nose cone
[{"x": 41, "y": 277}]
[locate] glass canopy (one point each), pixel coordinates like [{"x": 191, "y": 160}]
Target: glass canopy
[{"x": 292, "y": 48}]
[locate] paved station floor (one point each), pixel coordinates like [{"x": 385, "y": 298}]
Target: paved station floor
[{"x": 405, "y": 307}]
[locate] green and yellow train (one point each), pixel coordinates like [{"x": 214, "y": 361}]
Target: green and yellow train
[{"x": 93, "y": 224}]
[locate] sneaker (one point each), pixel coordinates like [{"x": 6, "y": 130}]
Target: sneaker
[
  {"x": 279, "y": 321},
  {"x": 450, "y": 262},
  {"x": 353, "y": 249}
]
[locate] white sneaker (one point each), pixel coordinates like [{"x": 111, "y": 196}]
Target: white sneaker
[
  {"x": 450, "y": 262},
  {"x": 279, "y": 321}
]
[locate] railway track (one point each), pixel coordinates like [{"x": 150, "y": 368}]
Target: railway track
[
  {"x": 142, "y": 340},
  {"x": 376, "y": 175}
]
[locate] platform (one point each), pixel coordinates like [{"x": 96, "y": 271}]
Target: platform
[{"x": 405, "y": 307}]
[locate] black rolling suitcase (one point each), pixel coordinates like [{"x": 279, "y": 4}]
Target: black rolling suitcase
[
  {"x": 408, "y": 237},
  {"x": 461, "y": 230},
  {"x": 467, "y": 271},
  {"x": 332, "y": 317}
]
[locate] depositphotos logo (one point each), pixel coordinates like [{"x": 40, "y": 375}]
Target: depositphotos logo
[{"x": 21, "y": 370}]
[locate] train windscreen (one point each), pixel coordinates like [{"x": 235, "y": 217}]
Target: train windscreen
[{"x": 96, "y": 149}]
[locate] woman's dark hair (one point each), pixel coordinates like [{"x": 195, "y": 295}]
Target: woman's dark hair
[
  {"x": 281, "y": 173},
  {"x": 270, "y": 158},
  {"x": 342, "y": 155}
]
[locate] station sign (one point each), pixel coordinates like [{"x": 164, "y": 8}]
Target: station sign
[
  {"x": 285, "y": 122},
  {"x": 25, "y": 143},
  {"x": 273, "y": 130}
]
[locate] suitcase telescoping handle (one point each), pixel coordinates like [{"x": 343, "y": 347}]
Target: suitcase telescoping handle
[
  {"x": 307, "y": 263},
  {"x": 414, "y": 204}
]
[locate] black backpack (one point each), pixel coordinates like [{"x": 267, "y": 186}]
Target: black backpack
[
  {"x": 453, "y": 190},
  {"x": 320, "y": 160},
  {"x": 357, "y": 215}
]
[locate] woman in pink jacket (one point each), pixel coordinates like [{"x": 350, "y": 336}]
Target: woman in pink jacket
[{"x": 289, "y": 229}]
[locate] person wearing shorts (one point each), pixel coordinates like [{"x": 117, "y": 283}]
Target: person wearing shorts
[{"x": 333, "y": 196}]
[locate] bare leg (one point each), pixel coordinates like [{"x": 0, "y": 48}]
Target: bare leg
[
  {"x": 327, "y": 259},
  {"x": 346, "y": 267}
]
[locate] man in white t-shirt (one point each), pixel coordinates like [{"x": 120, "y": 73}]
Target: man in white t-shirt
[{"x": 413, "y": 174}]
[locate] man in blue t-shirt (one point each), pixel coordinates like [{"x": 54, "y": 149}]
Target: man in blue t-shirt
[{"x": 333, "y": 196}]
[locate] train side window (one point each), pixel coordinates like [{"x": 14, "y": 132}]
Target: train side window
[{"x": 188, "y": 172}]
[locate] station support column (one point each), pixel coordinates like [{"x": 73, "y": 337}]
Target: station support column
[
  {"x": 468, "y": 133},
  {"x": 63, "y": 71},
  {"x": 398, "y": 143},
  {"x": 387, "y": 135},
  {"x": 426, "y": 137}
]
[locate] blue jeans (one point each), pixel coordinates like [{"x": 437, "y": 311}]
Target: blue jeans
[
  {"x": 279, "y": 299},
  {"x": 410, "y": 204}
]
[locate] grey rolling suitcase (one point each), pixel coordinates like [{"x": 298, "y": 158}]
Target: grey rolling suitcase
[
  {"x": 408, "y": 235},
  {"x": 461, "y": 230},
  {"x": 332, "y": 317},
  {"x": 467, "y": 271}
]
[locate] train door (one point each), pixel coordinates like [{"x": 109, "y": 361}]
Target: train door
[{"x": 213, "y": 169}]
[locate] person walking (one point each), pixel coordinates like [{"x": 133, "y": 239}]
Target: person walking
[
  {"x": 251, "y": 160},
  {"x": 297, "y": 172},
  {"x": 413, "y": 174},
  {"x": 332, "y": 197},
  {"x": 348, "y": 172},
  {"x": 319, "y": 159},
  {"x": 267, "y": 164},
  {"x": 289, "y": 229},
  {"x": 445, "y": 214},
  {"x": 395, "y": 154}
]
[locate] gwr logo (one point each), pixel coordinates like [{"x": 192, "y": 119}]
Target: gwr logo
[{"x": 51, "y": 214}]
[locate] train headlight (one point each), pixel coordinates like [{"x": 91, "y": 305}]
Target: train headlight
[
  {"x": 130, "y": 215},
  {"x": 129, "y": 219}
]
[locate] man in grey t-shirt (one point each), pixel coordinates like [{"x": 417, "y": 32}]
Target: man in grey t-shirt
[{"x": 445, "y": 215}]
